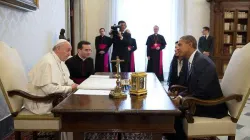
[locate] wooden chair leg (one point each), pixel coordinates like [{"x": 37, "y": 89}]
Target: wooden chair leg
[
  {"x": 231, "y": 137},
  {"x": 17, "y": 135},
  {"x": 189, "y": 138}
]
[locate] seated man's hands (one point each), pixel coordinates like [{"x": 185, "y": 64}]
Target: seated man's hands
[
  {"x": 170, "y": 93},
  {"x": 74, "y": 87},
  {"x": 177, "y": 101}
]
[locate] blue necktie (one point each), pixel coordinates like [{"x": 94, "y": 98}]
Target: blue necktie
[{"x": 189, "y": 68}]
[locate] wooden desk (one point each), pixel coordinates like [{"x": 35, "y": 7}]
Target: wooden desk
[{"x": 153, "y": 113}]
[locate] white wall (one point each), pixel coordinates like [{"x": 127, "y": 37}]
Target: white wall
[
  {"x": 197, "y": 15},
  {"x": 98, "y": 13},
  {"x": 32, "y": 33},
  {"x": 95, "y": 14},
  {"x": 97, "y": 17}
]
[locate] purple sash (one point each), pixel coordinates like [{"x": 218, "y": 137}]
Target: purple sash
[
  {"x": 106, "y": 58},
  {"x": 132, "y": 60},
  {"x": 161, "y": 65}
]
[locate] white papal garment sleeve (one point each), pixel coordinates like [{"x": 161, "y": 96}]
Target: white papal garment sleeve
[{"x": 53, "y": 88}]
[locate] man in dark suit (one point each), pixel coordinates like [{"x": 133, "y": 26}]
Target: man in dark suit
[
  {"x": 120, "y": 47},
  {"x": 206, "y": 43},
  {"x": 203, "y": 83},
  {"x": 178, "y": 69}
]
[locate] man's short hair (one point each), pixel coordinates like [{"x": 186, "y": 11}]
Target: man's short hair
[
  {"x": 121, "y": 22},
  {"x": 156, "y": 26},
  {"x": 206, "y": 28},
  {"x": 190, "y": 39},
  {"x": 81, "y": 43},
  {"x": 101, "y": 29}
]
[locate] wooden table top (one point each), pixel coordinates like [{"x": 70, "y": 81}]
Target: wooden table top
[{"x": 155, "y": 102}]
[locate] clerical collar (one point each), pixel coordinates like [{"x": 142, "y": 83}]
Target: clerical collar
[
  {"x": 155, "y": 34},
  {"x": 81, "y": 57},
  {"x": 56, "y": 57}
]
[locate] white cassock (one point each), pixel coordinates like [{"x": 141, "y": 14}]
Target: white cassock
[{"x": 50, "y": 75}]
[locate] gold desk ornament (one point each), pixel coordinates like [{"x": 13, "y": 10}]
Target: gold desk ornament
[
  {"x": 138, "y": 83},
  {"x": 117, "y": 92}
]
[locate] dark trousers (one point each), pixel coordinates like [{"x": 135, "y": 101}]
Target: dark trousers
[{"x": 123, "y": 65}]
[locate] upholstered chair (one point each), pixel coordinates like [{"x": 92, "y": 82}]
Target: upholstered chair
[
  {"x": 13, "y": 82},
  {"x": 236, "y": 89}
]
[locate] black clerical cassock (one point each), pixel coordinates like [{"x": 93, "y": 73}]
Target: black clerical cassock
[
  {"x": 80, "y": 69},
  {"x": 155, "y": 62},
  {"x": 102, "y": 43}
]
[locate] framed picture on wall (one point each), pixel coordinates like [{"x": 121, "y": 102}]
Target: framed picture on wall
[{"x": 27, "y": 5}]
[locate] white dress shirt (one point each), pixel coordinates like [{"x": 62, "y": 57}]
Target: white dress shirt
[
  {"x": 179, "y": 66},
  {"x": 191, "y": 58}
]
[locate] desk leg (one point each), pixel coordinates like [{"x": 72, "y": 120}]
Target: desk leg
[
  {"x": 157, "y": 136},
  {"x": 119, "y": 136},
  {"x": 78, "y": 135}
]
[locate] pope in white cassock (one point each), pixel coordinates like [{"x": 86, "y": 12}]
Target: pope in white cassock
[{"x": 50, "y": 75}]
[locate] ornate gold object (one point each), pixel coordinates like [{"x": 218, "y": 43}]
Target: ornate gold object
[
  {"x": 117, "y": 92},
  {"x": 138, "y": 83}
]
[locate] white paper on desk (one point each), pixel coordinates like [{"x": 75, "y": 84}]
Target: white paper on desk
[
  {"x": 92, "y": 92},
  {"x": 98, "y": 84},
  {"x": 99, "y": 76}
]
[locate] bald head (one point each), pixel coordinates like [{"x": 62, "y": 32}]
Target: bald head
[
  {"x": 62, "y": 49},
  {"x": 156, "y": 29}
]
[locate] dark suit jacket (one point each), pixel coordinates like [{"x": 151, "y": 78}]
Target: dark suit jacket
[
  {"x": 173, "y": 78},
  {"x": 203, "y": 83},
  {"x": 206, "y": 44},
  {"x": 132, "y": 43},
  {"x": 120, "y": 47}
]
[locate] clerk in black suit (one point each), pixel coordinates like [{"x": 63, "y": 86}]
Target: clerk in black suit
[
  {"x": 178, "y": 69},
  {"x": 120, "y": 47},
  {"x": 206, "y": 43},
  {"x": 203, "y": 83}
]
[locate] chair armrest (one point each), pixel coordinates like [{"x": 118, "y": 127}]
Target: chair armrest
[
  {"x": 189, "y": 103},
  {"x": 55, "y": 97},
  {"x": 177, "y": 88},
  {"x": 221, "y": 100}
]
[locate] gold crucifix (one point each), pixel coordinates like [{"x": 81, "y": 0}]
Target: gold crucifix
[
  {"x": 118, "y": 61},
  {"x": 117, "y": 92}
]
